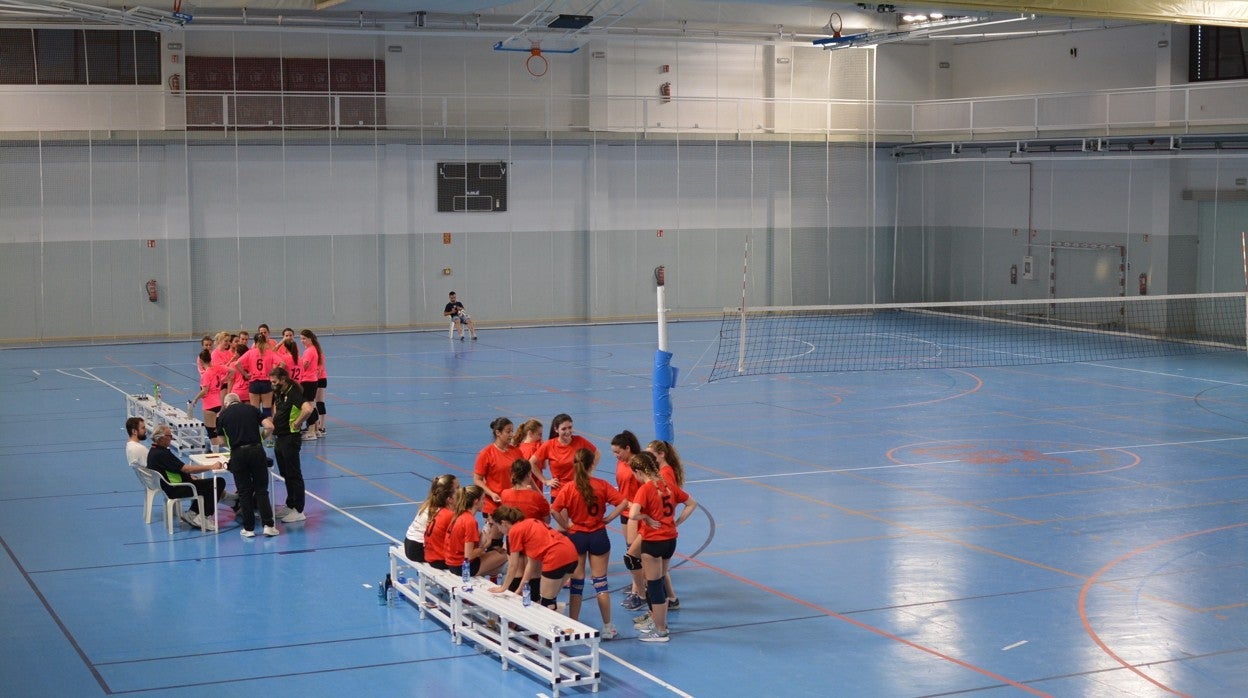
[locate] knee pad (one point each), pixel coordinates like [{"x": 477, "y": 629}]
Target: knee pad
[
  {"x": 600, "y": 585},
  {"x": 549, "y": 603},
  {"x": 266, "y": 411},
  {"x": 320, "y": 408},
  {"x": 656, "y": 592},
  {"x": 577, "y": 586},
  {"x": 212, "y": 432},
  {"x": 632, "y": 563}
]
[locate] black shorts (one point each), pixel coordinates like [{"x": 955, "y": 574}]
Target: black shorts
[
  {"x": 214, "y": 410},
  {"x": 321, "y": 382},
  {"x": 438, "y": 564},
  {"x": 595, "y": 543},
  {"x": 560, "y": 572},
  {"x": 663, "y": 549},
  {"x": 413, "y": 550},
  {"x": 260, "y": 387}
]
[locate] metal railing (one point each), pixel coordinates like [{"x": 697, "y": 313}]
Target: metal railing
[{"x": 1180, "y": 109}]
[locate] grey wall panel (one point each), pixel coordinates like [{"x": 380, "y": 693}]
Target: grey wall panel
[
  {"x": 67, "y": 289},
  {"x": 21, "y": 315},
  {"x": 355, "y": 289},
  {"x": 530, "y": 266}
]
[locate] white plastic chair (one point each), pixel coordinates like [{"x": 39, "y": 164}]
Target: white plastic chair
[{"x": 173, "y": 505}]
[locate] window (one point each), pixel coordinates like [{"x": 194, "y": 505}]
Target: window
[
  {"x": 1217, "y": 53},
  {"x": 79, "y": 57}
]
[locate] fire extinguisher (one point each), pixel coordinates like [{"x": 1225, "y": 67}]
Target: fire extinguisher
[
  {"x": 175, "y": 83},
  {"x": 1143, "y": 284},
  {"x": 665, "y": 91},
  {"x": 153, "y": 293}
]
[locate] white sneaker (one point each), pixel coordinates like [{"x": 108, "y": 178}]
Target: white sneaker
[
  {"x": 247, "y": 534},
  {"x": 293, "y": 516},
  {"x": 229, "y": 498},
  {"x": 609, "y": 632},
  {"x": 271, "y": 531},
  {"x": 309, "y": 435},
  {"x": 189, "y": 518},
  {"x": 281, "y": 510},
  {"x": 205, "y": 522}
]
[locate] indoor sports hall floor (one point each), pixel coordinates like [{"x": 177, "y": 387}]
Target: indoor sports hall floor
[{"x": 1065, "y": 530}]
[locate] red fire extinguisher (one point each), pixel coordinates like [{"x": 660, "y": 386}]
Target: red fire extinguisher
[
  {"x": 1143, "y": 284},
  {"x": 153, "y": 293},
  {"x": 665, "y": 91},
  {"x": 175, "y": 83}
]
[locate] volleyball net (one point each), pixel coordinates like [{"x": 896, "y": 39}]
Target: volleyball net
[{"x": 805, "y": 339}]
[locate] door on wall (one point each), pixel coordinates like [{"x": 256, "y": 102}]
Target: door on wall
[{"x": 1220, "y": 265}]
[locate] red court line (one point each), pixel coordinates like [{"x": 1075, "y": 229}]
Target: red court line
[{"x": 1092, "y": 581}]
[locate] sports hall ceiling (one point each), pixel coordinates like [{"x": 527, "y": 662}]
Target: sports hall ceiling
[{"x": 757, "y": 21}]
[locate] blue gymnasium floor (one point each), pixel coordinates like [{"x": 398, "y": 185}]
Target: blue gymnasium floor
[{"x": 1065, "y": 530}]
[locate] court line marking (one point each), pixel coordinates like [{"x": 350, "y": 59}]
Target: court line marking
[
  {"x": 891, "y": 466},
  {"x": 1094, "y": 580}
]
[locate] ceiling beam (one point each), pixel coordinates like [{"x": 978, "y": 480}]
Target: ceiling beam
[{"x": 1227, "y": 13}]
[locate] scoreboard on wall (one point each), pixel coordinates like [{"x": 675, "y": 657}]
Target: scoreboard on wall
[{"x": 472, "y": 186}]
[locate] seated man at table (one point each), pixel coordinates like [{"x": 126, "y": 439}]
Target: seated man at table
[
  {"x": 178, "y": 482},
  {"x": 136, "y": 434}
]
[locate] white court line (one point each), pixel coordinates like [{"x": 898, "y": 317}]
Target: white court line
[
  {"x": 396, "y": 541},
  {"x": 949, "y": 461},
  {"x": 644, "y": 673},
  {"x": 1020, "y": 643}
]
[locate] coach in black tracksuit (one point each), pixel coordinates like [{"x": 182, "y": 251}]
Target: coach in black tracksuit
[{"x": 241, "y": 424}]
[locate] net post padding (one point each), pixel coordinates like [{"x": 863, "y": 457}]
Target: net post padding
[
  {"x": 664, "y": 377},
  {"x": 804, "y": 339}
]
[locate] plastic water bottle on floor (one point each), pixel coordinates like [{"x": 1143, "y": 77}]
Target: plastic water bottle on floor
[
  {"x": 381, "y": 593},
  {"x": 524, "y": 595},
  {"x": 467, "y": 570},
  {"x": 390, "y": 593},
  {"x": 156, "y": 391}
]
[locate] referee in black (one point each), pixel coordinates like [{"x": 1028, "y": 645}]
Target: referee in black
[{"x": 241, "y": 424}]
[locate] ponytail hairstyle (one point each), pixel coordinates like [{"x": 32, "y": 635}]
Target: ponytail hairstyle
[
  {"x": 670, "y": 456},
  {"x": 506, "y": 514},
  {"x": 523, "y": 431},
  {"x": 583, "y": 465},
  {"x": 320, "y": 355},
  {"x": 557, "y": 422},
  {"x": 521, "y": 471},
  {"x": 467, "y": 498},
  {"x": 498, "y": 425},
  {"x": 440, "y": 489},
  {"x": 205, "y": 357},
  {"x": 627, "y": 439},
  {"x": 292, "y": 349}
]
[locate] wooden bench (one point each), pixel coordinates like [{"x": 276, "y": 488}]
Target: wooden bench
[{"x": 561, "y": 651}]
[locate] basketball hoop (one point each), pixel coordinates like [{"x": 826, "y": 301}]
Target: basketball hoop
[
  {"x": 835, "y": 25},
  {"x": 536, "y": 63}
]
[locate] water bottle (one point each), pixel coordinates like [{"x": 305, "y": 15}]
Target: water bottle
[
  {"x": 156, "y": 391},
  {"x": 381, "y": 593},
  {"x": 402, "y": 576},
  {"x": 390, "y": 592},
  {"x": 524, "y": 595},
  {"x": 467, "y": 570}
]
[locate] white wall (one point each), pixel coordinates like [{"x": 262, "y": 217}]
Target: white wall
[{"x": 1107, "y": 59}]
